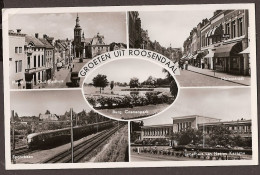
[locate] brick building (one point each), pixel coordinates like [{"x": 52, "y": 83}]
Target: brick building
[{"x": 223, "y": 38}]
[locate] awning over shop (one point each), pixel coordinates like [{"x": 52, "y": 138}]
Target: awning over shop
[
  {"x": 227, "y": 50},
  {"x": 245, "y": 51},
  {"x": 210, "y": 54},
  {"x": 195, "y": 56},
  {"x": 217, "y": 30}
]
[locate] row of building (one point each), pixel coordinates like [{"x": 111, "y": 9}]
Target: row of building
[
  {"x": 220, "y": 43},
  {"x": 205, "y": 124},
  {"x": 33, "y": 59},
  {"x": 139, "y": 38}
]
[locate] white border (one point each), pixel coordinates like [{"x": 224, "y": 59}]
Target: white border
[{"x": 250, "y": 6}]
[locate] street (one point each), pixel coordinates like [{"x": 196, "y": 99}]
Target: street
[
  {"x": 188, "y": 78},
  {"x": 62, "y": 77}
]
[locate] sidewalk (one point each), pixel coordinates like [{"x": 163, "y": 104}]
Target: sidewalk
[{"x": 239, "y": 79}]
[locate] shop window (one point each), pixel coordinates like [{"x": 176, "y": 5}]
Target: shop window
[{"x": 234, "y": 63}]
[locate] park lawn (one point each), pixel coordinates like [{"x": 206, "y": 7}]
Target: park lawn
[{"x": 120, "y": 113}]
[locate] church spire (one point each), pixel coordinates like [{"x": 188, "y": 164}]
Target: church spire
[{"x": 77, "y": 21}]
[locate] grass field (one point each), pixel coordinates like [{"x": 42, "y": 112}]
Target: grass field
[{"x": 116, "y": 149}]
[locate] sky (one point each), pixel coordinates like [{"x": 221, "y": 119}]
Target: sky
[
  {"x": 226, "y": 104},
  {"x": 61, "y": 25},
  {"x": 125, "y": 69},
  {"x": 30, "y": 103},
  {"x": 172, "y": 27}
]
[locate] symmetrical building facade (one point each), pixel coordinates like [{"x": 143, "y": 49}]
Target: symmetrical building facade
[
  {"x": 206, "y": 124},
  {"x": 222, "y": 40}
]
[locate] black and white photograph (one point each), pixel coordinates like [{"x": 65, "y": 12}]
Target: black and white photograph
[
  {"x": 211, "y": 47},
  {"x": 130, "y": 89},
  {"x": 51, "y": 127},
  {"x": 130, "y": 86},
  {"x": 215, "y": 124},
  {"x": 48, "y": 50}
]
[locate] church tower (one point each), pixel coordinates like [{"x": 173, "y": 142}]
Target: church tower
[{"x": 77, "y": 32}]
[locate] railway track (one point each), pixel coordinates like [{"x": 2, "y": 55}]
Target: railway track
[
  {"x": 84, "y": 148},
  {"x": 23, "y": 151}
]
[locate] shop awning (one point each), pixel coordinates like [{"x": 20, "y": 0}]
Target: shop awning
[
  {"x": 209, "y": 55},
  {"x": 195, "y": 56},
  {"x": 217, "y": 30},
  {"x": 245, "y": 51},
  {"x": 227, "y": 50}
]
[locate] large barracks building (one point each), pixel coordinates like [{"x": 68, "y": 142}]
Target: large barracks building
[{"x": 206, "y": 124}]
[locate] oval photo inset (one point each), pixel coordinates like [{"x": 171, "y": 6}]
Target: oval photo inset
[{"x": 128, "y": 89}]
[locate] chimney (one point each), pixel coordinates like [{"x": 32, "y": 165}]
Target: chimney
[
  {"x": 44, "y": 36},
  {"x": 36, "y": 35},
  {"x": 18, "y": 30}
]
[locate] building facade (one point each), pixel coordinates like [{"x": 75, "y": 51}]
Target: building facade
[
  {"x": 17, "y": 59},
  {"x": 205, "y": 124},
  {"x": 222, "y": 40}
]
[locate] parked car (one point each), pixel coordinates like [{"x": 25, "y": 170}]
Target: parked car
[{"x": 74, "y": 78}]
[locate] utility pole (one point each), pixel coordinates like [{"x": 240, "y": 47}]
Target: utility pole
[
  {"x": 71, "y": 133},
  {"x": 13, "y": 136},
  {"x": 203, "y": 136}
]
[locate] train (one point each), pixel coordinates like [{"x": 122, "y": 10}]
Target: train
[{"x": 53, "y": 138}]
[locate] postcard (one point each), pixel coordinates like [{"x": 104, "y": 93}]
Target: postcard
[{"x": 130, "y": 86}]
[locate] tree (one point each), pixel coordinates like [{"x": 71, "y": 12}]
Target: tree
[
  {"x": 100, "y": 81},
  {"x": 173, "y": 84},
  {"x": 134, "y": 82},
  {"x": 47, "y": 112},
  {"x": 112, "y": 85},
  {"x": 150, "y": 81},
  {"x": 220, "y": 135},
  {"x": 187, "y": 136}
]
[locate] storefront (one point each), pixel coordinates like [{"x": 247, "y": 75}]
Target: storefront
[{"x": 227, "y": 58}]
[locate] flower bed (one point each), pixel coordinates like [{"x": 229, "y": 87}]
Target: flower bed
[{"x": 129, "y": 101}]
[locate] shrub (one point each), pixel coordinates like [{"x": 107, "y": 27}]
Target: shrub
[{"x": 92, "y": 101}]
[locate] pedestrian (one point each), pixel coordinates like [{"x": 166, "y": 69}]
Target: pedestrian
[
  {"x": 202, "y": 63},
  {"x": 186, "y": 65}
]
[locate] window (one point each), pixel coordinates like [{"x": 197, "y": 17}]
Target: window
[
  {"x": 18, "y": 66},
  {"x": 20, "y": 50},
  {"x": 16, "y": 49},
  {"x": 28, "y": 62},
  {"x": 240, "y": 27},
  {"x": 39, "y": 61},
  {"x": 233, "y": 29},
  {"x": 42, "y": 61},
  {"x": 34, "y": 59},
  {"x": 227, "y": 28}
]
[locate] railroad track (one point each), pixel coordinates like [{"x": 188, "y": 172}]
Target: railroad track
[
  {"x": 23, "y": 151},
  {"x": 84, "y": 148}
]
